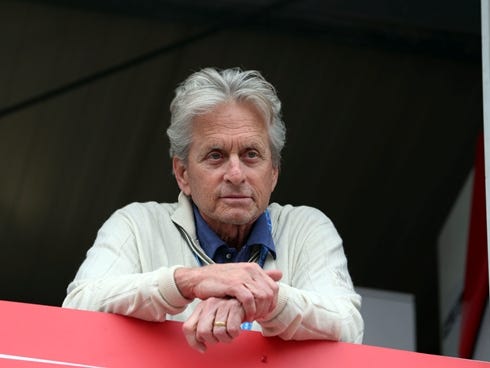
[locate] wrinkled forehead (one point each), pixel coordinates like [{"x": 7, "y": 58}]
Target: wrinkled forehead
[
  {"x": 230, "y": 114},
  {"x": 231, "y": 125},
  {"x": 256, "y": 105},
  {"x": 230, "y": 118}
]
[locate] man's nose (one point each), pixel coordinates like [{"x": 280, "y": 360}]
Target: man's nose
[{"x": 234, "y": 171}]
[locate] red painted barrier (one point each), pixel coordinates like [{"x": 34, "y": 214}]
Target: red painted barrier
[{"x": 40, "y": 336}]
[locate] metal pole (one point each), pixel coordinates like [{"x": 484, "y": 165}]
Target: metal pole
[{"x": 485, "y": 35}]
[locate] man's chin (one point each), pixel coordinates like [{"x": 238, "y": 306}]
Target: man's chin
[{"x": 238, "y": 217}]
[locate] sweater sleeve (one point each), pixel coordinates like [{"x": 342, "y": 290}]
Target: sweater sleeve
[
  {"x": 111, "y": 279},
  {"x": 318, "y": 301}
]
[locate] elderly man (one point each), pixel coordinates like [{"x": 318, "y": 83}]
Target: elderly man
[{"x": 223, "y": 259}]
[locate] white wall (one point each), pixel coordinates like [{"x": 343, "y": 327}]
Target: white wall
[
  {"x": 389, "y": 318},
  {"x": 482, "y": 348}
]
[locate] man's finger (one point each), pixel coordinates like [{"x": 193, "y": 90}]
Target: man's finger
[
  {"x": 247, "y": 300},
  {"x": 275, "y": 275},
  {"x": 222, "y": 323},
  {"x": 190, "y": 327}
]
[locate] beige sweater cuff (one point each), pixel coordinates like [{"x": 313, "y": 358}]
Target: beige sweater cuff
[{"x": 168, "y": 288}]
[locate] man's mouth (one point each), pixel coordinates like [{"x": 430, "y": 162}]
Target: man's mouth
[{"x": 236, "y": 198}]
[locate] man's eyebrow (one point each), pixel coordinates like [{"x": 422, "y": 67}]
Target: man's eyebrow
[
  {"x": 209, "y": 147},
  {"x": 212, "y": 146},
  {"x": 255, "y": 145},
  {"x": 220, "y": 146}
]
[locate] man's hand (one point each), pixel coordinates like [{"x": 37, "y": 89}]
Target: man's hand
[
  {"x": 214, "y": 320},
  {"x": 253, "y": 287}
]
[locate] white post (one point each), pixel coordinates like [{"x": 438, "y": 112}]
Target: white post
[{"x": 485, "y": 36}]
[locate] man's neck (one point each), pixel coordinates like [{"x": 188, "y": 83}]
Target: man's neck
[{"x": 233, "y": 235}]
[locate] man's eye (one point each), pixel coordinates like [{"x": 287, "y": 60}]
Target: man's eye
[
  {"x": 214, "y": 156},
  {"x": 252, "y": 154}
]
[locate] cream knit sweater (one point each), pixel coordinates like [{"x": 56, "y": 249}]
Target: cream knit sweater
[{"x": 129, "y": 270}]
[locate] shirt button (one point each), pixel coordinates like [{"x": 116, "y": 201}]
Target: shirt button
[{"x": 228, "y": 256}]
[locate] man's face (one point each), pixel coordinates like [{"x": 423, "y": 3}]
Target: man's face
[{"x": 229, "y": 173}]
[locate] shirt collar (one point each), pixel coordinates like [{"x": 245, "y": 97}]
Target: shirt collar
[{"x": 260, "y": 234}]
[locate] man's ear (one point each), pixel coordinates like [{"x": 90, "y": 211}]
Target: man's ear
[
  {"x": 180, "y": 172},
  {"x": 275, "y": 177}
]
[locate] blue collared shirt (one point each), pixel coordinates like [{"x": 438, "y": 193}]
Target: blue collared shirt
[{"x": 260, "y": 237}]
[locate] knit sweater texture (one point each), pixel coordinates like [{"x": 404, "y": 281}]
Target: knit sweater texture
[{"x": 129, "y": 270}]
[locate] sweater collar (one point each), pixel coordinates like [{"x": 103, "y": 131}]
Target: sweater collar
[
  {"x": 261, "y": 231},
  {"x": 260, "y": 234}
]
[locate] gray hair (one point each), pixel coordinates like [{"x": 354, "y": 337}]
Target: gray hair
[{"x": 205, "y": 89}]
